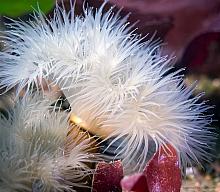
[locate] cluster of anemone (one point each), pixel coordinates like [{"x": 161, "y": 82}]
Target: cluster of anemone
[{"x": 119, "y": 86}]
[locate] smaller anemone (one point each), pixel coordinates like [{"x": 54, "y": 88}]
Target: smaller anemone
[{"x": 45, "y": 153}]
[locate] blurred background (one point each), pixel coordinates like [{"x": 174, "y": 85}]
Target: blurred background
[{"x": 190, "y": 30}]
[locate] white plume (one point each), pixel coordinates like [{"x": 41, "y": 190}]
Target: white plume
[{"x": 112, "y": 78}]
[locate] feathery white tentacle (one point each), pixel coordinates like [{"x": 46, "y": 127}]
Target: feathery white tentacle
[{"x": 112, "y": 79}]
